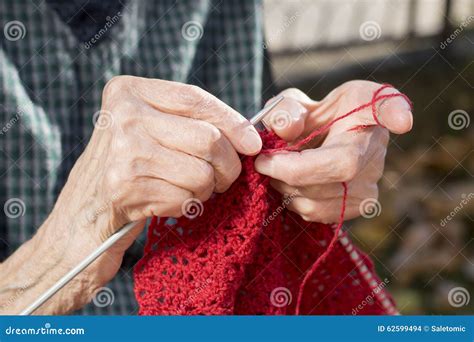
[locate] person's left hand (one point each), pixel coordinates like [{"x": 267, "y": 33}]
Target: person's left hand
[{"x": 352, "y": 151}]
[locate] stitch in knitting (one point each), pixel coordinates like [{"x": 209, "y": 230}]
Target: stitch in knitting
[{"x": 227, "y": 261}]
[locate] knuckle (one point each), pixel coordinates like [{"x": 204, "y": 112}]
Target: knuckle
[
  {"x": 155, "y": 210},
  {"x": 126, "y": 107},
  {"x": 294, "y": 175},
  {"x": 310, "y": 216},
  {"x": 205, "y": 196},
  {"x": 214, "y": 138},
  {"x": 359, "y": 90},
  {"x": 126, "y": 172},
  {"x": 151, "y": 210},
  {"x": 351, "y": 167},
  {"x": 304, "y": 207},
  {"x": 350, "y": 85},
  {"x": 195, "y": 96},
  {"x": 124, "y": 113},
  {"x": 291, "y": 179},
  {"x": 194, "y": 90},
  {"x": 234, "y": 171},
  {"x": 170, "y": 204},
  {"x": 115, "y": 178},
  {"x": 291, "y": 92},
  {"x": 358, "y": 85},
  {"x": 133, "y": 167},
  {"x": 121, "y": 145},
  {"x": 205, "y": 176},
  {"x": 238, "y": 126},
  {"x": 229, "y": 173},
  {"x": 115, "y": 85},
  {"x": 349, "y": 173},
  {"x": 213, "y": 142},
  {"x": 315, "y": 217}
]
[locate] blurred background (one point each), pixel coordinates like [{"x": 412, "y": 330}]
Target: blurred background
[{"x": 421, "y": 237}]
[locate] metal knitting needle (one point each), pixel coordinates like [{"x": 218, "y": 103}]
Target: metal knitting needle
[
  {"x": 78, "y": 269},
  {"x": 261, "y": 114},
  {"x": 114, "y": 238}
]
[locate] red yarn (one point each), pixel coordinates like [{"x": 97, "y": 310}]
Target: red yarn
[{"x": 244, "y": 253}]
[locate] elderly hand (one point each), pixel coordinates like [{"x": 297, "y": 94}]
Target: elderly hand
[
  {"x": 157, "y": 146},
  {"x": 312, "y": 178}
]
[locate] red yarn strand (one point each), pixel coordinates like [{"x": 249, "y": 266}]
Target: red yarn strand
[
  {"x": 219, "y": 262},
  {"x": 326, "y": 253},
  {"x": 375, "y": 98},
  {"x": 373, "y": 104}
]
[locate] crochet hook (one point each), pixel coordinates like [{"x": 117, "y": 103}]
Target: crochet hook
[{"x": 115, "y": 237}]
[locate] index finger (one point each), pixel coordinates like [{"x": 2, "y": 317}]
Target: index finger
[
  {"x": 339, "y": 159},
  {"x": 315, "y": 166},
  {"x": 194, "y": 102}
]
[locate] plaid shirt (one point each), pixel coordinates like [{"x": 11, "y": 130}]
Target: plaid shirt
[{"x": 51, "y": 86}]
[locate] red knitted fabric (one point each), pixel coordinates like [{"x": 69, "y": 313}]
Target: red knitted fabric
[{"x": 244, "y": 253}]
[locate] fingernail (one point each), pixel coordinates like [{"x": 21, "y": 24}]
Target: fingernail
[{"x": 251, "y": 141}]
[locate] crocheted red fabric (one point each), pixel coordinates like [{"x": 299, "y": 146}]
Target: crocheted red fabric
[{"x": 244, "y": 253}]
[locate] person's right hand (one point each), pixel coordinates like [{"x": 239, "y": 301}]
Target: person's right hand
[
  {"x": 156, "y": 145},
  {"x": 159, "y": 143}
]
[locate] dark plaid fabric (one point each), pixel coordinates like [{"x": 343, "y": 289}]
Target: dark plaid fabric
[
  {"x": 51, "y": 85},
  {"x": 86, "y": 17}
]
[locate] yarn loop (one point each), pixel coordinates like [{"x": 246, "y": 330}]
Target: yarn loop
[{"x": 247, "y": 254}]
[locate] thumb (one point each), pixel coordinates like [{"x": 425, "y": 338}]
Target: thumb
[
  {"x": 287, "y": 119},
  {"x": 394, "y": 113}
]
